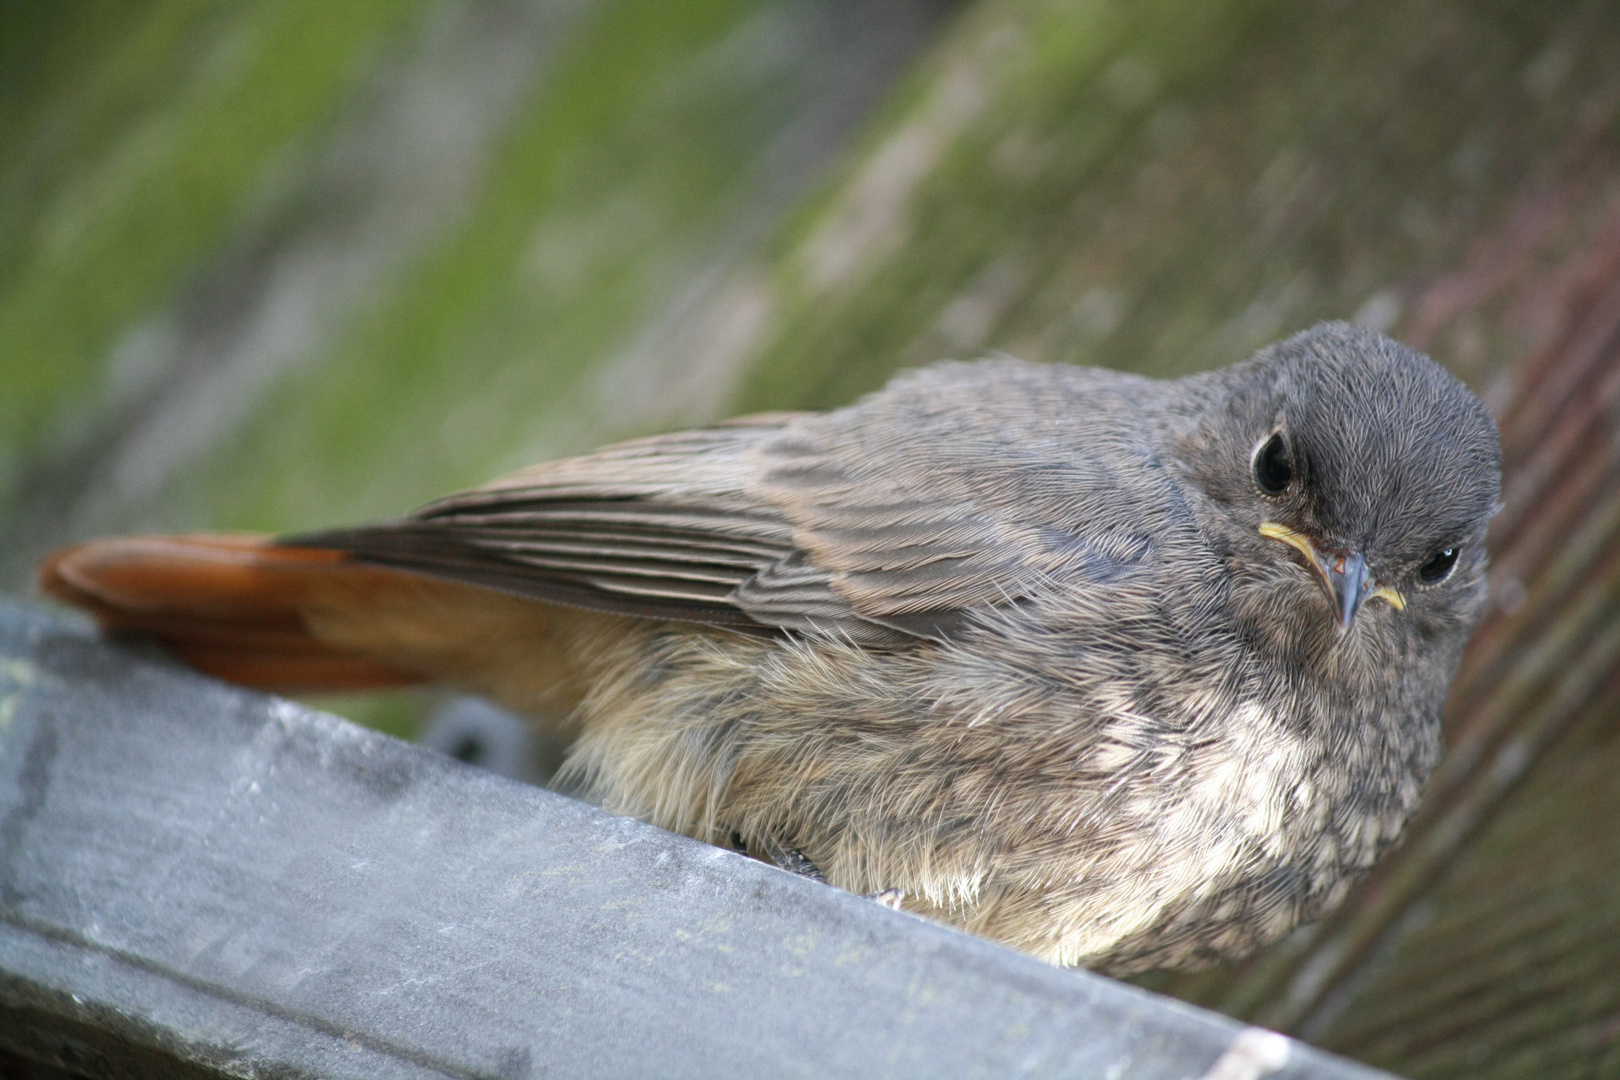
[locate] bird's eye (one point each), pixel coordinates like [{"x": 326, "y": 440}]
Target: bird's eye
[
  {"x": 1438, "y": 566},
  {"x": 1273, "y": 467}
]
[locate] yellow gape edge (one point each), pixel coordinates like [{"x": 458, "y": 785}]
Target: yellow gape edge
[
  {"x": 1392, "y": 595},
  {"x": 1273, "y": 531}
]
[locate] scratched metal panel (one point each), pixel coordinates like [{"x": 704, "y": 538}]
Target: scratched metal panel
[{"x": 198, "y": 881}]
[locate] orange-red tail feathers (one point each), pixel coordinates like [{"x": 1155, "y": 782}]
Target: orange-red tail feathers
[{"x": 232, "y": 606}]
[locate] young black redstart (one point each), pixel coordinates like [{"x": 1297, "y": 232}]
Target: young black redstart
[{"x": 1120, "y": 672}]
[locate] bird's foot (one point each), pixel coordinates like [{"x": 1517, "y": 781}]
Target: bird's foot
[
  {"x": 889, "y": 898},
  {"x": 795, "y": 861},
  {"x": 780, "y": 856}
]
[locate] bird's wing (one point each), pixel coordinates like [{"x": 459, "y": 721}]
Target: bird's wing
[
  {"x": 962, "y": 488},
  {"x": 658, "y": 527},
  {"x": 901, "y": 515}
]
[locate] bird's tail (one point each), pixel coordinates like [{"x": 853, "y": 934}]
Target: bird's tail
[{"x": 234, "y": 606}]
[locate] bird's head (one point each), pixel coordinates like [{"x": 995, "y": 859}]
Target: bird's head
[{"x": 1350, "y": 480}]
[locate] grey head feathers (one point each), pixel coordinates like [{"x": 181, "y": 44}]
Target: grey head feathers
[
  {"x": 1393, "y": 455},
  {"x": 1391, "y": 458}
]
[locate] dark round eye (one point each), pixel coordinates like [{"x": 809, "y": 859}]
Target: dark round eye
[
  {"x": 1273, "y": 467},
  {"x": 1437, "y": 567}
]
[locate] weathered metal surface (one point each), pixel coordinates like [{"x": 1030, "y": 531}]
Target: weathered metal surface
[{"x": 196, "y": 881}]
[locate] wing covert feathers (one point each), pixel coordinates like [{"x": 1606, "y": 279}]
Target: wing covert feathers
[
  {"x": 898, "y": 517},
  {"x": 658, "y": 528}
]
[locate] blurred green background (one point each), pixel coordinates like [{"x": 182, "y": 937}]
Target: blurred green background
[
  {"x": 280, "y": 265},
  {"x": 283, "y": 265}
]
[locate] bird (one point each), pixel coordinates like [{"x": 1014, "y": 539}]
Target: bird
[{"x": 1124, "y": 673}]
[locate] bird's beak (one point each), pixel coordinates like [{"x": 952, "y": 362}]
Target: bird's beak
[{"x": 1346, "y": 577}]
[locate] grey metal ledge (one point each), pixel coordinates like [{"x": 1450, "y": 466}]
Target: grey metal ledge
[{"x": 198, "y": 881}]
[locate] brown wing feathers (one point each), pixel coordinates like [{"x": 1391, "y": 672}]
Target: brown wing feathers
[
  {"x": 656, "y": 527},
  {"x": 783, "y": 522},
  {"x": 653, "y": 528},
  {"x": 631, "y": 559}
]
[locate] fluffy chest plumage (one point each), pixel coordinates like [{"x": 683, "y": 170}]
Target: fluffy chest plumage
[{"x": 1127, "y": 787}]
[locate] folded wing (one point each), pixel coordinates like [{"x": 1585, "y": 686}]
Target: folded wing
[{"x": 899, "y": 517}]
